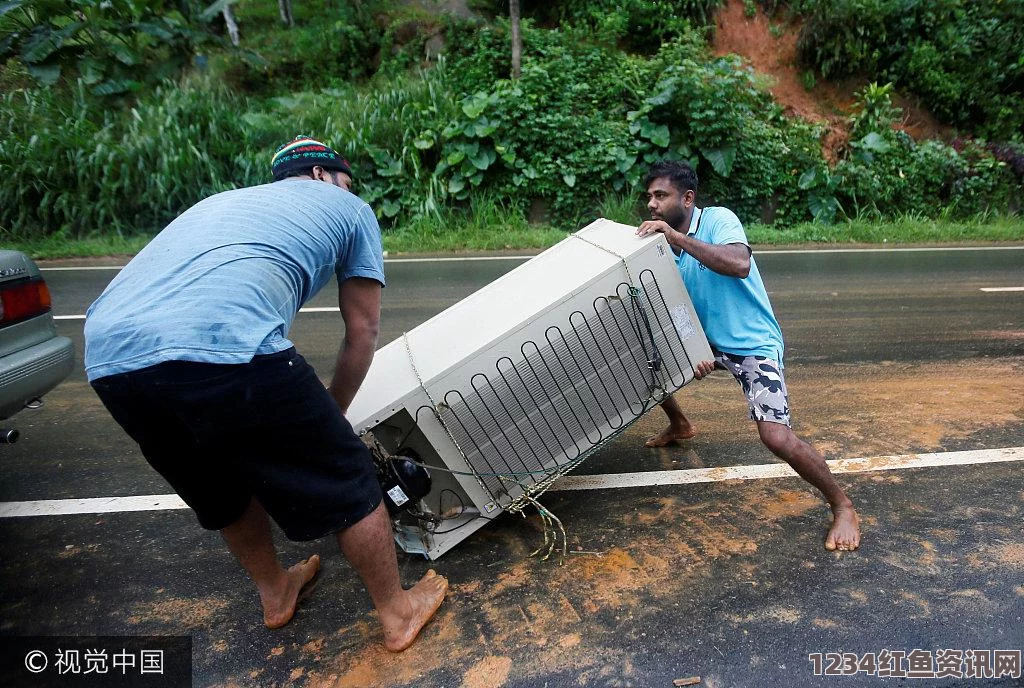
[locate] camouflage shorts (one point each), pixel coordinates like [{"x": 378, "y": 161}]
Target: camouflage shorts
[{"x": 763, "y": 385}]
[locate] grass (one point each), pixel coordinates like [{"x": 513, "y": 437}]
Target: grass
[
  {"x": 903, "y": 230},
  {"x": 490, "y": 225},
  {"x": 59, "y": 246}
]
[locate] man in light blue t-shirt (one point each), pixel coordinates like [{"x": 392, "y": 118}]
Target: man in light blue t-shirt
[
  {"x": 188, "y": 349},
  {"x": 732, "y": 304}
]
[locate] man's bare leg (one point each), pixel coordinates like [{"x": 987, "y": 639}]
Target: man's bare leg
[
  {"x": 810, "y": 465},
  {"x": 249, "y": 539},
  {"x": 679, "y": 426},
  {"x": 370, "y": 548}
]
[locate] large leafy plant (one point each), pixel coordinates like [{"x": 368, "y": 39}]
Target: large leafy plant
[{"x": 112, "y": 46}]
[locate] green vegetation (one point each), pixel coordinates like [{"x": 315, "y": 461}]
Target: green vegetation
[
  {"x": 637, "y": 26},
  {"x": 444, "y": 145},
  {"x": 331, "y": 43},
  {"x": 808, "y": 80},
  {"x": 486, "y": 225},
  {"x": 962, "y": 57},
  {"x": 113, "y": 47},
  {"x": 62, "y": 246},
  {"x": 907, "y": 229}
]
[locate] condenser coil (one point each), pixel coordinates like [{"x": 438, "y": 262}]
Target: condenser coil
[{"x": 518, "y": 383}]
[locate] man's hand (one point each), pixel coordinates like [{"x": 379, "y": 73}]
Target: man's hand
[
  {"x": 702, "y": 369},
  {"x": 649, "y": 227}
]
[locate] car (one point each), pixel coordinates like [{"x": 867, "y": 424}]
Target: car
[{"x": 33, "y": 358}]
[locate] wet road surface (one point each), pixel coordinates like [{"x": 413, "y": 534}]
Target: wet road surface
[{"x": 887, "y": 354}]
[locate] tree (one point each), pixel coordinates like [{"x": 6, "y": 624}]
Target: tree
[
  {"x": 229, "y": 21},
  {"x": 517, "y": 40},
  {"x": 285, "y": 7}
]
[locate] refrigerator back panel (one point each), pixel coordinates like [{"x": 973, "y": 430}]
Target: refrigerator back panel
[{"x": 520, "y": 382}]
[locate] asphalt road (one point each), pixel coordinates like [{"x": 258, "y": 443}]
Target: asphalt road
[{"x": 888, "y": 353}]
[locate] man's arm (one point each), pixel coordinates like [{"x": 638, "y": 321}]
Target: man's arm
[
  {"x": 359, "y": 300},
  {"x": 726, "y": 259}
]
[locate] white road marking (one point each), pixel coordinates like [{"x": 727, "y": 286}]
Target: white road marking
[
  {"x": 766, "y": 248},
  {"x": 1002, "y": 288},
  {"x": 455, "y": 259},
  {"x": 166, "y": 502},
  {"x": 101, "y": 505},
  {"x": 780, "y": 470},
  {"x": 69, "y": 268},
  {"x": 759, "y": 248}
]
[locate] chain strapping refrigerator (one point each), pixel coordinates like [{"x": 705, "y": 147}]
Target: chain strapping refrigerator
[{"x": 518, "y": 383}]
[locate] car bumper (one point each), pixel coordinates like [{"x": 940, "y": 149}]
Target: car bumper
[{"x": 32, "y": 372}]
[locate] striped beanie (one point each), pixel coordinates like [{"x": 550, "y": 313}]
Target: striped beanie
[{"x": 302, "y": 153}]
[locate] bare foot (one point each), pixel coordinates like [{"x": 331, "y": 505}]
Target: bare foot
[
  {"x": 670, "y": 435},
  {"x": 281, "y": 608},
  {"x": 423, "y": 599},
  {"x": 844, "y": 535}
]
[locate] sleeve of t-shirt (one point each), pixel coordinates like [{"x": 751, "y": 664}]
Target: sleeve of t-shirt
[
  {"x": 728, "y": 228},
  {"x": 366, "y": 254}
]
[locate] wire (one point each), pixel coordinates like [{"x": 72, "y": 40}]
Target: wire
[
  {"x": 440, "y": 502},
  {"x": 415, "y": 424},
  {"x": 461, "y": 525},
  {"x": 462, "y": 511}
]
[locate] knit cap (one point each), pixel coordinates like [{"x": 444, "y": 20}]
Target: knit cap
[{"x": 302, "y": 153}]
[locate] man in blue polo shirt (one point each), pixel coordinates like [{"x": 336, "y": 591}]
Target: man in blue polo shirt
[
  {"x": 732, "y": 304},
  {"x": 188, "y": 349}
]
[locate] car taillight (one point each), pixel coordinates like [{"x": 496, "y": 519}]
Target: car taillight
[{"x": 23, "y": 299}]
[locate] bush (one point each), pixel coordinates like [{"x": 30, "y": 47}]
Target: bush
[
  {"x": 891, "y": 175},
  {"x": 331, "y": 44},
  {"x": 555, "y": 134},
  {"x": 961, "y": 57},
  {"x": 73, "y": 167},
  {"x": 113, "y": 47},
  {"x": 641, "y": 25}
]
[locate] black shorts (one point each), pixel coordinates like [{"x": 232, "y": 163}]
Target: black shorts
[{"x": 222, "y": 434}]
